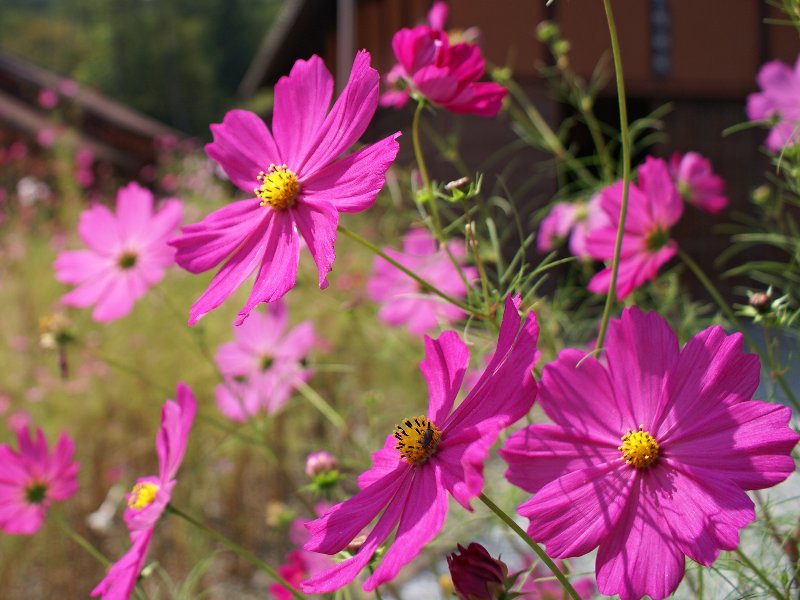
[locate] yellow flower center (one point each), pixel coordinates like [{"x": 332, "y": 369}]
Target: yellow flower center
[
  {"x": 639, "y": 448},
  {"x": 417, "y": 439},
  {"x": 142, "y": 495},
  {"x": 279, "y": 187}
]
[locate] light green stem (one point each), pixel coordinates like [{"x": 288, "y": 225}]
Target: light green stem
[
  {"x": 626, "y": 173},
  {"x": 551, "y": 141},
  {"x": 82, "y": 542},
  {"x": 774, "y": 591},
  {"x": 562, "y": 579},
  {"x": 425, "y": 285},
  {"x": 321, "y": 405},
  {"x": 236, "y": 548},
  {"x": 428, "y": 192},
  {"x": 731, "y": 316}
]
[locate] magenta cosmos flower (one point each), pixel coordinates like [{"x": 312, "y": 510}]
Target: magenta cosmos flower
[
  {"x": 574, "y": 219},
  {"x": 444, "y": 74},
  {"x": 429, "y": 455},
  {"x": 402, "y": 300},
  {"x": 697, "y": 183},
  {"x": 264, "y": 363},
  {"x": 650, "y": 454},
  {"x": 32, "y": 478},
  {"x": 779, "y": 99},
  {"x": 653, "y": 207},
  {"x": 299, "y": 189},
  {"x": 127, "y": 253},
  {"x": 150, "y": 495}
]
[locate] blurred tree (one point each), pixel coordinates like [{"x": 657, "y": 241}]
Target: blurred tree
[{"x": 177, "y": 60}]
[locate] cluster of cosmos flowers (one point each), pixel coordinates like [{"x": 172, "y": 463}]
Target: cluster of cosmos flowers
[{"x": 650, "y": 447}]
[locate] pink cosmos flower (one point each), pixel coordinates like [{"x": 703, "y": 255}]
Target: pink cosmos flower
[
  {"x": 697, "y": 183},
  {"x": 650, "y": 454},
  {"x": 402, "y": 300},
  {"x": 47, "y": 98},
  {"x": 299, "y": 189},
  {"x": 127, "y": 253},
  {"x": 576, "y": 218},
  {"x": 32, "y": 478},
  {"x": 778, "y": 99},
  {"x": 445, "y": 74},
  {"x": 150, "y": 495},
  {"x": 653, "y": 207},
  {"x": 263, "y": 365},
  {"x": 427, "y": 456}
]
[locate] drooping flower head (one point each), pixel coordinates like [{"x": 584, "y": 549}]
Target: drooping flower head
[
  {"x": 299, "y": 186},
  {"x": 476, "y": 574},
  {"x": 653, "y": 207},
  {"x": 264, "y": 363},
  {"x": 402, "y": 300},
  {"x": 778, "y": 99},
  {"x": 32, "y": 478},
  {"x": 150, "y": 495},
  {"x": 444, "y": 73},
  {"x": 127, "y": 253},
  {"x": 430, "y": 455},
  {"x": 697, "y": 183},
  {"x": 649, "y": 454},
  {"x": 574, "y": 219}
]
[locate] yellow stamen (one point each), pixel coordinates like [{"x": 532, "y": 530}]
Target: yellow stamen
[
  {"x": 142, "y": 495},
  {"x": 639, "y": 448},
  {"x": 417, "y": 439},
  {"x": 279, "y": 187}
]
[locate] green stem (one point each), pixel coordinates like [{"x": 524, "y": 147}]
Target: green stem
[
  {"x": 761, "y": 575},
  {"x": 242, "y": 552},
  {"x": 731, "y": 316},
  {"x": 473, "y": 244},
  {"x": 321, "y": 405},
  {"x": 377, "y": 588},
  {"x": 425, "y": 285},
  {"x": 626, "y": 173},
  {"x": 82, "y": 542},
  {"x": 423, "y": 170},
  {"x": 562, "y": 579},
  {"x": 428, "y": 194},
  {"x": 551, "y": 141},
  {"x": 599, "y": 142}
]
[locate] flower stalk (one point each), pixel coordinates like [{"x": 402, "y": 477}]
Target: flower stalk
[
  {"x": 562, "y": 579},
  {"x": 426, "y": 286},
  {"x": 237, "y": 549},
  {"x": 626, "y": 173}
]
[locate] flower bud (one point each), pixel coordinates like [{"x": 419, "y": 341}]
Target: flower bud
[
  {"x": 476, "y": 575},
  {"x": 760, "y": 301},
  {"x": 320, "y": 462}
]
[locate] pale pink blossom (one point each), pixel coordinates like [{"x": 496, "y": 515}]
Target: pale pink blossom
[
  {"x": 264, "y": 364},
  {"x": 127, "y": 253},
  {"x": 697, "y": 182},
  {"x": 778, "y": 99},
  {"x": 654, "y": 206},
  {"x": 403, "y": 301}
]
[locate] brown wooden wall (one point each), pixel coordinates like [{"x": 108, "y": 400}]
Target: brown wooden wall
[{"x": 716, "y": 48}]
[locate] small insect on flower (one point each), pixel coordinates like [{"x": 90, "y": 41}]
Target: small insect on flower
[{"x": 427, "y": 438}]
